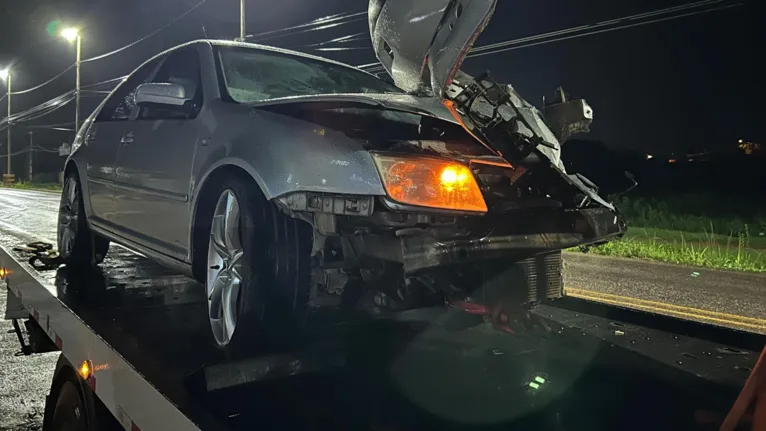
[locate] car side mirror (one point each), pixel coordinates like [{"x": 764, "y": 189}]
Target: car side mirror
[{"x": 161, "y": 94}]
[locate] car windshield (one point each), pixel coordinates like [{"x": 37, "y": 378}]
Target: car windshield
[{"x": 252, "y": 75}]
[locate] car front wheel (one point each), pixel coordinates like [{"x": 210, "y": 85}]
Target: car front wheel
[
  {"x": 258, "y": 269},
  {"x": 77, "y": 245}
]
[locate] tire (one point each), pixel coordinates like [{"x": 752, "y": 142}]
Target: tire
[
  {"x": 261, "y": 257},
  {"x": 77, "y": 245},
  {"x": 70, "y": 412}
]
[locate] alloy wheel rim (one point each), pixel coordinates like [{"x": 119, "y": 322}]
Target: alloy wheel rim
[
  {"x": 224, "y": 268},
  {"x": 69, "y": 213}
]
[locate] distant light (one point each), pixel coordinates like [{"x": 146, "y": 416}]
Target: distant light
[
  {"x": 741, "y": 141},
  {"x": 70, "y": 33},
  {"x": 671, "y": 160},
  {"x": 649, "y": 157},
  {"x": 5, "y": 73}
]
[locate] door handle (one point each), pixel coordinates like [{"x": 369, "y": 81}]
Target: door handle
[{"x": 128, "y": 138}]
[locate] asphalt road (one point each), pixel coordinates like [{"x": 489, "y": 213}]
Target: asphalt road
[{"x": 725, "y": 298}]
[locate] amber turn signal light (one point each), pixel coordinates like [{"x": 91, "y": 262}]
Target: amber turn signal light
[{"x": 430, "y": 182}]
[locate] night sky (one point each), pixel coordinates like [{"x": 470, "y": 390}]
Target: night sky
[{"x": 684, "y": 84}]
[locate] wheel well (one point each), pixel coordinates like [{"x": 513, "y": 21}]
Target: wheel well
[
  {"x": 64, "y": 372},
  {"x": 204, "y": 209},
  {"x": 99, "y": 416},
  {"x": 71, "y": 167}
]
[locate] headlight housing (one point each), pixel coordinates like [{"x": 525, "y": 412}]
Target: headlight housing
[{"x": 430, "y": 182}]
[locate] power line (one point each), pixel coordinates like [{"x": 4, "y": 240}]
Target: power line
[
  {"x": 176, "y": 19},
  {"x": 590, "y": 33},
  {"x": 99, "y": 57},
  {"x": 342, "y": 39},
  {"x": 341, "y": 48},
  {"x": 36, "y": 87},
  {"x": 16, "y": 153},
  {"x": 558, "y": 35},
  {"x": 322, "y": 25},
  {"x": 108, "y": 81},
  {"x": 55, "y": 103},
  {"x": 602, "y": 24},
  {"x": 313, "y": 23},
  {"x": 51, "y": 126}
]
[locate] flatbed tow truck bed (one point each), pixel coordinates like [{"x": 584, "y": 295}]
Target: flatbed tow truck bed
[{"x": 144, "y": 332}]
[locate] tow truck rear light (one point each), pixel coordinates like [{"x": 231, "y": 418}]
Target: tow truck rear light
[{"x": 86, "y": 369}]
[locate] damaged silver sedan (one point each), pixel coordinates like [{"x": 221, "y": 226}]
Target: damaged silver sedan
[{"x": 288, "y": 183}]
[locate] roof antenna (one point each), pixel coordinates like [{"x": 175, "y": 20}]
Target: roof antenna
[{"x": 204, "y": 32}]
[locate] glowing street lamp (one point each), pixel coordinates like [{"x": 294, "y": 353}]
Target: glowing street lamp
[{"x": 72, "y": 34}]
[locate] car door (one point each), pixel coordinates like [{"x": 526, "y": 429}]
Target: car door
[
  {"x": 155, "y": 159},
  {"x": 102, "y": 141}
]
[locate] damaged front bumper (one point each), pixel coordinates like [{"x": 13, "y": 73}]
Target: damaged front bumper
[{"x": 491, "y": 239}]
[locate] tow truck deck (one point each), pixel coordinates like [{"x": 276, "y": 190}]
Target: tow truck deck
[{"x": 144, "y": 334}]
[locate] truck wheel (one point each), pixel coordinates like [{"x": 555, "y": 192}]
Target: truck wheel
[
  {"x": 70, "y": 412},
  {"x": 258, "y": 269},
  {"x": 77, "y": 245}
]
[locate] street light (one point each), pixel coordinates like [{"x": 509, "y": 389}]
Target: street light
[
  {"x": 5, "y": 75},
  {"x": 72, "y": 34}
]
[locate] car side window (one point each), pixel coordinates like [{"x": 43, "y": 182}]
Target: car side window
[
  {"x": 180, "y": 67},
  {"x": 122, "y": 101}
]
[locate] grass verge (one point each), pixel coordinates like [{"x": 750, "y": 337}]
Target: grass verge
[
  {"x": 48, "y": 187},
  {"x": 740, "y": 252}
]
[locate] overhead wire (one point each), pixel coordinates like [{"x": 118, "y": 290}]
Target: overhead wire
[
  {"x": 136, "y": 42},
  {"x": 57, "y": 102},
  {"x": 342, "y": 48},
  {"x": 343, "y": 39},
  {"x": 314, "y": 27},
  {"x": 320, "y": 23},
  {"x": 51, "y": 126},
  {"x": 37, "y": 87},
  {"x": 26, "y": 149},
  {"x": 586, "y": 30},
  {"x": 590, "y": 33}
]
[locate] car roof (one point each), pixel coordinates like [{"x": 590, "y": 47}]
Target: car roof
[{"x": 223, "y": 42}]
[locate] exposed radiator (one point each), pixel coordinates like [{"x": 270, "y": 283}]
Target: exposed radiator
[{"x": 544, "y": 277}]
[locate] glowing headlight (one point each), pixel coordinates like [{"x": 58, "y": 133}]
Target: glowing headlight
[{"x": 430, "y": 182}]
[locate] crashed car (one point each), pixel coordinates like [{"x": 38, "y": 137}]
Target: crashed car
[{"x": 288, "y": 183}]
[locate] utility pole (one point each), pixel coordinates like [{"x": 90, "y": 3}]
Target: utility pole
[
  {"x": 30, "y": 157},
  {"x": 77, "y": 87},
  {"x": 8, "y": 83},
  {"x": 241, "y": 20}
]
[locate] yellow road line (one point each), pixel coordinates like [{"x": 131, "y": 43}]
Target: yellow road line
[
  {"x": 664, "y": 305},
  {"x": 669, "y": 309}
]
